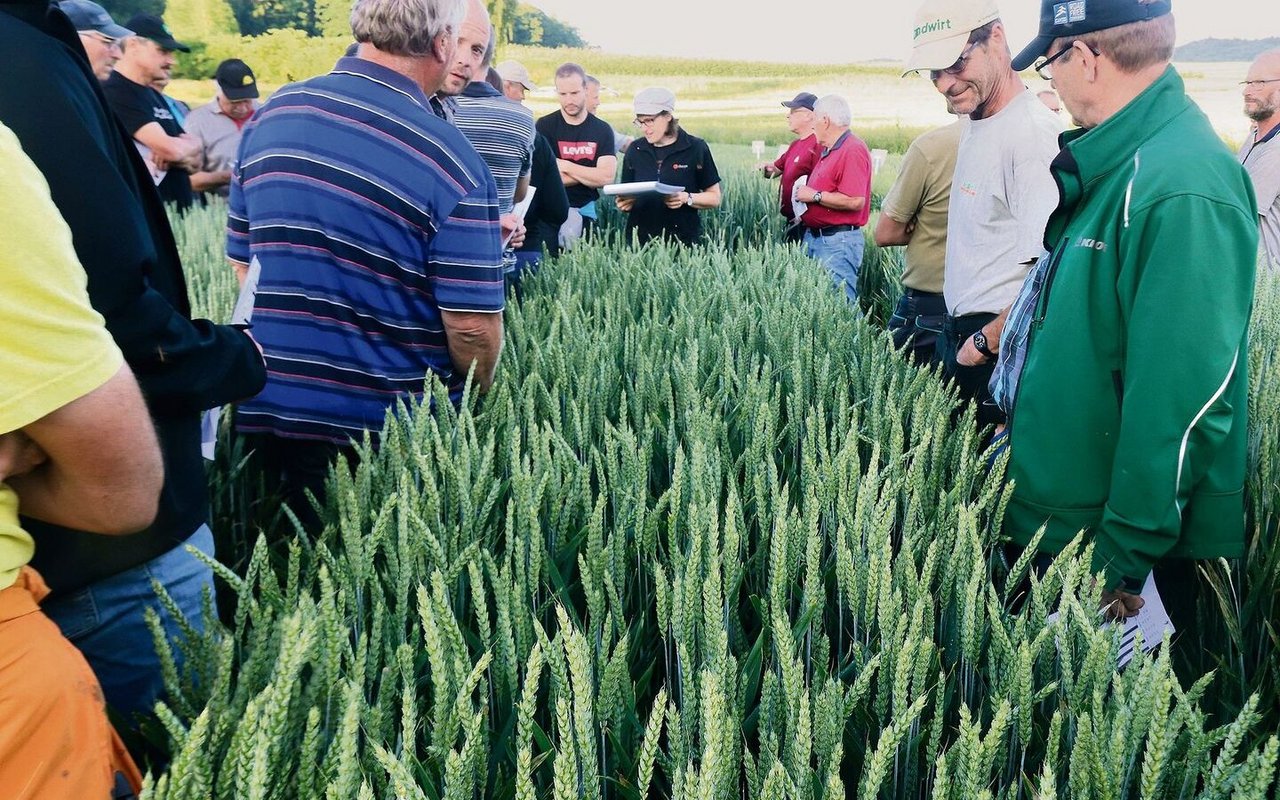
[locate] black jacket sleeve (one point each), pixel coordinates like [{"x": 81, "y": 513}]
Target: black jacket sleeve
[
  {"x": 121, "y": 234},
  {"x": 551, "y": 204}
]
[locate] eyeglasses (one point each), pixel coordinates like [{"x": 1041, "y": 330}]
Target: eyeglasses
[
  {"x": 956, "y": 68},
  {"x": 644, "y": 122},
  {"x": 1042, "y": 64},
  {"x": 1255, "y": 84},
  {"x": 101, "y": 37}
]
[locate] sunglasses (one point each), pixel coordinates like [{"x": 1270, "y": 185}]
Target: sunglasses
[{"x": 956, "y": 68}]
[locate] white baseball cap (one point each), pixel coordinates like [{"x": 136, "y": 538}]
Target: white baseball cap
[
  {"x": 942, "y": 29},
  {"x": 515, "y": 72},
  {"x": 653, "y": 101}
]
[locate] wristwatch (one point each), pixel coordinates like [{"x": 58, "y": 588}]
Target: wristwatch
[
  {"x": 689, "y": 201},
  {"x": 980, "y": 344},
  {"x": 817, "y": 198}
]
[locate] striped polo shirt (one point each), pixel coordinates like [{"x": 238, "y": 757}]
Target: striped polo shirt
[
  {"x": 368, "y": 216},
  {"x": 501, "y": 131}
]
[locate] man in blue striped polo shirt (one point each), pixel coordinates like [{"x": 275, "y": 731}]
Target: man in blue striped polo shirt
[{"x": 375, "y": 228}]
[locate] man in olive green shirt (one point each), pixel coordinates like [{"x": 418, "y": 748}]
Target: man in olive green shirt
[{"x": 914, "y": 213}]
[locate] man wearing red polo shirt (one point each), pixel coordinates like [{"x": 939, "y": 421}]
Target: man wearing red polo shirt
[
  {"x": 838, "y": 195},
  {"x": 798, "y": 160}
]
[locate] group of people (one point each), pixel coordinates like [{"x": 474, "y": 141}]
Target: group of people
[{"x": 1089, "y": 290}]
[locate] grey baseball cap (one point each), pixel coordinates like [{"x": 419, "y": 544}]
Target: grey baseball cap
[{"x": 87, "y": 15}]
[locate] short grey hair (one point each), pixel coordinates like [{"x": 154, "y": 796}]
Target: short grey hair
[
  {"x": 491, "y": 50},
  {"x": 405, "y": 27},
  {"x": 591, "y": 80},
  {"x": 835, "y": 108}
]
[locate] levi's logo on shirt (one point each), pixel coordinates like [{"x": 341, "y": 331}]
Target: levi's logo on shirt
[{"x": 578, "y": 151}]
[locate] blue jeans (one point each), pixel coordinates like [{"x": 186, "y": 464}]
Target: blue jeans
[
  {"x": 105, "y": 621},
  {"x": 841, "y": 254}
]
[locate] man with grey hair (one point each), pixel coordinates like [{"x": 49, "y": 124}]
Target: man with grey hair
[
  {"x": 620, "y": 140},
  {"x": 837, "y": 196},
  {"x": 1130, "y": 412},
  {"x": 379, "y": 256},
  {"x": 1260, "y": 153},
  {"x": 1001, "y": 193},
  {"x": 99, "y": 34}
]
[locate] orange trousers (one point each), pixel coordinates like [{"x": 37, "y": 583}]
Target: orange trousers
[{"x": 55, "y": 740}]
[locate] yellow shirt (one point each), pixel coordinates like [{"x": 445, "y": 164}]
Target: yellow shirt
[
  {"x": 53, "y": 347},
  {"x": 922, "y": 192}
]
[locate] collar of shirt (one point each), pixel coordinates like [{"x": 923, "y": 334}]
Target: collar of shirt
[
  {"x": 353, "y": 65},
  {"x": 480, "y": 89},
  {"x": 844, "y": 137}
]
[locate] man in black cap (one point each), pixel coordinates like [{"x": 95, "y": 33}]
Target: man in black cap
[
  {"x": 1126, "y": 361},
  {"x": 218, "y": 123},
  {"x": 798, "y": 160},
  {"x": 99, "y": 34},
  {"x": 172, "y": 153}
]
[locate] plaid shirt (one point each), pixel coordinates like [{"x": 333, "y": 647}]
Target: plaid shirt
[{"x": 1013, "y": 339}]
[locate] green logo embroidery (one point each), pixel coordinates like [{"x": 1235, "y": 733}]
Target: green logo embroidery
[{"x": 931, "y": 27}]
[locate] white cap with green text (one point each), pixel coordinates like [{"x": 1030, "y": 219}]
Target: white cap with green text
[{"x": 941, "y": 30}]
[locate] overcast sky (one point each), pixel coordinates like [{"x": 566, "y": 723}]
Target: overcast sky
[{"x": 838, "y": 31}]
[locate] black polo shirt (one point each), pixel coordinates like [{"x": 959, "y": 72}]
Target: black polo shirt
[
  {"x": 52, "y": 102},
  {"x": 686, "y": 163},
  {"x": 137, "y": 105}
]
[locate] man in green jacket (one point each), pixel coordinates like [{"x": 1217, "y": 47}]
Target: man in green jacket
[{"x": 1129, "y": 412}]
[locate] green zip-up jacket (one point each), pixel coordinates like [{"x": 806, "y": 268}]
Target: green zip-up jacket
[{"x": 1130, "y": 419}]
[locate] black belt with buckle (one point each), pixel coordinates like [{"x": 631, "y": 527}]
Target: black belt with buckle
[{"x": 832, "y": 230}]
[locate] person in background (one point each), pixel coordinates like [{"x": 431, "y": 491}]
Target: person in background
[
  {"x": 99, "y": 34},
  {"x": 379, "y": 259},
  {"x": 76, "y": 448},
  {"x": 516, "y": 83},
  {"x": 621, "y": 141},
  {"x": 668, "y": 154},
  {"x": 502, "y": 133},
  {"x": 914, "y": 213},
  {"x": 798, "y": 161},
  {"x": 1001, "y": 193},
  {"x": 584, "y": 148},
  {"x": 838, "y": 195},
  {"x": 1129, "y": 420},
  {"x": 172, "y": 153},
  {"x": 102, "y": 590},
  {"x": 1260, "y": 153},
  {"x": 1050, "y": 99},
  {"x": 218, "y": 123}
]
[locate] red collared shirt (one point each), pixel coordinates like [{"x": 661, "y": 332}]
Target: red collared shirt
[
  {"x": 799, "y": 159},
  {"x": 844, "y": 168}
]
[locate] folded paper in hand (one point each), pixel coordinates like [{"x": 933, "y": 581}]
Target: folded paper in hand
[{"x": 641, "y": 187}]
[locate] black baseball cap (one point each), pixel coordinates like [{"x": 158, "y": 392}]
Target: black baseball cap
[
  {"x": 149, "y": 26},
  {"x": 802, "y": 100},
  {"x": 1061, "y": 19},
  {"x": 89, "y": 16},
  {"x": 236, "y": 80}
]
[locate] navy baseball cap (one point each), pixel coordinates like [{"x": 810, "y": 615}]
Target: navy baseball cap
[
  {"x": 1061, "y": 19},
  {"x": 802, "y": 100},
  {"x": 149, "y": 26},
  {"x": 89, "y": 16}
]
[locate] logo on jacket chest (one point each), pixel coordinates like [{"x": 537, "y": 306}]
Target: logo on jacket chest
[{"x": 1091, "y": 244}]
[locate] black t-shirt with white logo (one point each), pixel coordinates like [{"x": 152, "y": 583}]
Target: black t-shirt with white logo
[
  {"x": 136, "y": 105},
  {"x": 583, "y": 144}
]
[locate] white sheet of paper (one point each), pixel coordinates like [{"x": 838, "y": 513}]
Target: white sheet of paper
[
  {"x": 640, "y": 187},
  {"x": 800, "y": 207},
  {"x": 520, "y": 210},
  {"x": 157, "y": 174},
  {"x": 243, "y": 311},
  {"x": 1152, "y": 620}
]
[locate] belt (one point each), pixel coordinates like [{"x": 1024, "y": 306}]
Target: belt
[
  {"x": 909, "y": 292},
  {"x": 832, "y": 230}
]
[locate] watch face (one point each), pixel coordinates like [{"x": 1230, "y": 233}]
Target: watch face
[{"x": 980, "y": 340}]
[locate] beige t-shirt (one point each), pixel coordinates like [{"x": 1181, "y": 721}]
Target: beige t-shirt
[{"x": 922, "y": 192}]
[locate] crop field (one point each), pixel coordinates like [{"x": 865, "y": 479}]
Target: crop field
[{"x": 708, "y": 537}]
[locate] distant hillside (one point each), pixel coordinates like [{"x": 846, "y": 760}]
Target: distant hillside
[{"x": 1224, "y": 49}]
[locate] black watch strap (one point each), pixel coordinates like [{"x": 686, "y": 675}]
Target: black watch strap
[{"x": 980, "y": 343}]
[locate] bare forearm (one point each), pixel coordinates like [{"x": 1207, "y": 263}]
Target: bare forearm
[
  {"x": 480, "y": 345},
  {"x": 207, "y": 181},
  {"x": 842, "y": 202}
]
